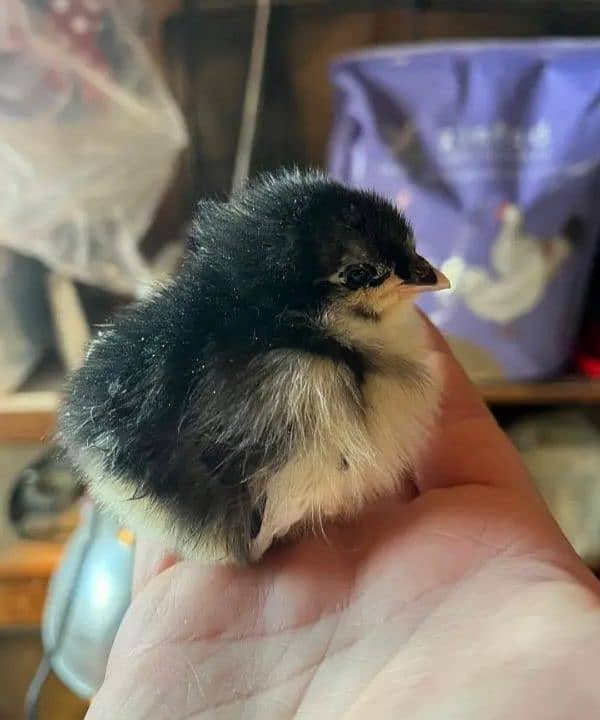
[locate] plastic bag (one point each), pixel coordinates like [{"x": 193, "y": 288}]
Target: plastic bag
[
  {"x": 25, "y": 327},
  {"x": 492, "y": 150},
  {"x": 562, "y": 452},
  {"x": 88, "y": 139}
]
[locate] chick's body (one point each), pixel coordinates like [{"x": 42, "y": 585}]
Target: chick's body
[{"x": 281, "y": 378}]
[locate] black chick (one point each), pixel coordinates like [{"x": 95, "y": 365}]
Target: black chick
[{"x": 282, "y": 377}]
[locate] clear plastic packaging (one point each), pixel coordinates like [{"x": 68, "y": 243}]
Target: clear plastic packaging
[
  {"x": 88, "y": 139},
  {"x": 24, "y": 319}
]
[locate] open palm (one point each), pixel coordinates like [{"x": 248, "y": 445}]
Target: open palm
[{"x": 464, "y": 601}]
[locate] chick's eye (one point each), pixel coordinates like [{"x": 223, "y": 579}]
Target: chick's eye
[{"x": 357, "y": 276}]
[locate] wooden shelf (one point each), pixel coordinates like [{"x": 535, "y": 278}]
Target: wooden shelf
[
  {"x": 27, "y": 558},
  {"x": 570, "y": 391},
  {"x": 30, "y": 415},
  {"x": 589, "y": 7},
  {"x": 25, "y": 570}
]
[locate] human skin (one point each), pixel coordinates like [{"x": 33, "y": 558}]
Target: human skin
[{"x": 461, "y": 602}]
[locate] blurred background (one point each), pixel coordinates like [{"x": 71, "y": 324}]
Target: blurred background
[{"x": 480, "y": 120}]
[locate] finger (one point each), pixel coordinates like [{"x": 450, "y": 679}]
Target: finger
[
  {"x": 436, "y": 339},
  {"x": 151, "y": 559},
  {"x": 460, "y": 394},
  {"x": 467, "y": 446}
]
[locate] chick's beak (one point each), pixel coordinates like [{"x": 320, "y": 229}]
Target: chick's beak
[{"x": 424, "y": 277}]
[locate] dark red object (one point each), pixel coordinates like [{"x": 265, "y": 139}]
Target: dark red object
[{"x": 587, "y": 358}]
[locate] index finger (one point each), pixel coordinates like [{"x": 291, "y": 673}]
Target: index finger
[
  {"x": 151, "y": 559},
  {"x": 467, "y": 445}
]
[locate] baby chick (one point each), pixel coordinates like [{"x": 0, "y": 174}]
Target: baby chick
[{"x": 282, "y": 377}]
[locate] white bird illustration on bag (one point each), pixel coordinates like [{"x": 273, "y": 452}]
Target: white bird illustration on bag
[{"x": 522, "y": 266}]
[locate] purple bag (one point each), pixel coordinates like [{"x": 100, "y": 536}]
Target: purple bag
[{"x": 492, "y": 150}]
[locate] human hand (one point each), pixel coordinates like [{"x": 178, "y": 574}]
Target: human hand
[{"x": 465, "y": 602}]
